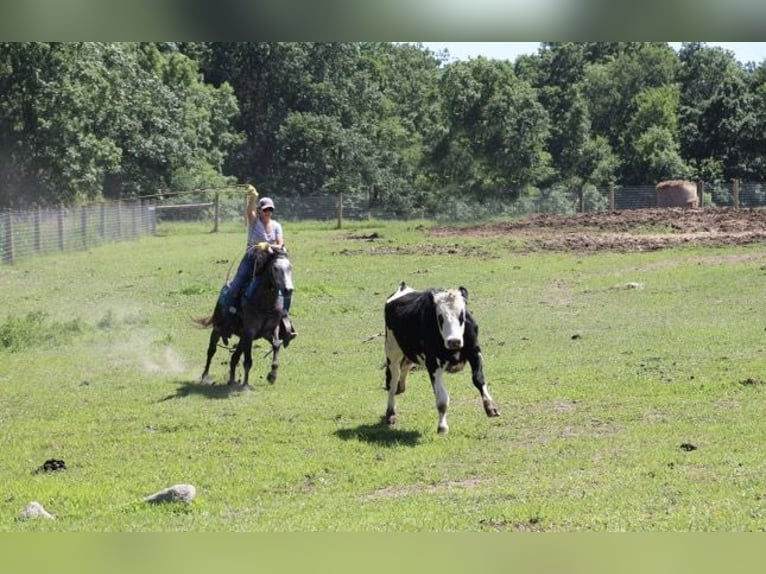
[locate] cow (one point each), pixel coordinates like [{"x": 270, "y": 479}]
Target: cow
[{"x": 432, "y": 328}]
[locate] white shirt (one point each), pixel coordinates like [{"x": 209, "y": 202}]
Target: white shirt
[{"x": 258, "y": 233}]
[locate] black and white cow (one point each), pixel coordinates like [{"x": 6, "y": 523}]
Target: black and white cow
[{"x": 431, "y": 328}]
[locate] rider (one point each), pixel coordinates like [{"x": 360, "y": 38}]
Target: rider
[{"x": 262, "y": 230}]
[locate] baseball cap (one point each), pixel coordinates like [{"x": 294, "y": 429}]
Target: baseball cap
[{"x": 265, "y": 203}]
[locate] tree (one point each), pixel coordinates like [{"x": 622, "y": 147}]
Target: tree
[
  {"x": 715, "y": 111},
  {"x": 753, "y": 141},
  {"x": 495, "y": 131},
  {"x": 86, "y": 120},
  {"x": 652, "y": 149},
  {"x": 51, "y": 106},
  {"x": 611, "y": 86}
]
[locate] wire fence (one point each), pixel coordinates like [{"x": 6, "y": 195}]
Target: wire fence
[
  {"x": 551, "y": 201},
  {"x": 31, "y": 232},
  {"x": 24, "y": 233}
]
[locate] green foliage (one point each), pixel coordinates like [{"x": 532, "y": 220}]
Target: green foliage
[
  {"x": 715, "y": 109},
  {"x": 82, "y": 121},
  {"x": 495, "y": 132},
  {"x": 36, "y": 330},
  {"x": 392, "y": 124}
]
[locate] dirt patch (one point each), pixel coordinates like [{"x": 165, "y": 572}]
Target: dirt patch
[
  {"x": 627, "y": 230},
  {"x": 425, "y": 249}
]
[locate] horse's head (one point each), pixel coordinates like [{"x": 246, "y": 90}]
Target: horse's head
[
  {"x": 282, "y": 270},
  {"x": 274, "y": 262}
]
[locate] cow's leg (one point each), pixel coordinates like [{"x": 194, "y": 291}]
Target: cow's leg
[
  {"x": 477, "y": 376},
  {"x": 211, "y": 348},
  {"x": 404, "y": 370},
  {"x": 394, "y": 354},
  {"x": 394, "y": 358},
  {"x": 397, "y": 368},
  {"x": 442, "y": 398},
  {"x": 393, "y": 370}
]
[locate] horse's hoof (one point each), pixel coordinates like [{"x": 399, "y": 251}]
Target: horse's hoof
[{"x": 271, "y": 377}]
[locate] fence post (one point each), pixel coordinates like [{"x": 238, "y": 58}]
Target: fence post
[
  {"x": 102, "y": 222},
  {"x": 339, "y": 209},
  {"x": 8, "y": 250},
  {"x": 701, "y": 192},
  {"x": 611, "y": 197},
  {"x": 216, "y": 211},
  {"x": 143, "y": 216},
  {"x": 119, "y": 219},
  {"x": 61, "y": 227},
  {"x": 38, "y": 230},
  {"x": 581, "y": 199},
  {"x": 735, "y": 192},
  {"x": 134, "y": 220},
  {"x": 84, "y": 225}
]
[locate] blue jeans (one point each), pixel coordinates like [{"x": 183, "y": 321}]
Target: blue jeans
[
  {"x": 287, "y": 299},
  {"x": 229, "y": 296}
]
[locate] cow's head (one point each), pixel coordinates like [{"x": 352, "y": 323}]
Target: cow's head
[{"x": 450, "y": 316}]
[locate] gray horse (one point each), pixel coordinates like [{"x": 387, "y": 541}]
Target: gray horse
[{"x": 263, "y": 316}]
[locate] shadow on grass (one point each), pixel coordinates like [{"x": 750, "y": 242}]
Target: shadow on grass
[
  {"x": 188, "y": 388},
  {"x": 381, "y": 433}
]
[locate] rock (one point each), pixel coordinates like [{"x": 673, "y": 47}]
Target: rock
[
  {"x": 35, "y": 510},
  {"x": 175, "y": 493}
]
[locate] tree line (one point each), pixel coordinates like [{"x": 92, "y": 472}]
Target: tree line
[{"x": 392, "y": 122}]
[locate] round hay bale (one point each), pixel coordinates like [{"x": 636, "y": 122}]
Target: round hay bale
[{"x": 677, "y": 193}]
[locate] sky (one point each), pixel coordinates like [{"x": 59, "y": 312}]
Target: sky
[{"x": 743, "y": 51}]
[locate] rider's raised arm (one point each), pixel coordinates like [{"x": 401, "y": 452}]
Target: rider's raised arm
[{"x": 251, "y": 204}]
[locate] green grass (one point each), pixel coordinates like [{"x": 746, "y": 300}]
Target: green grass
[{"x": 602, "y": 367}]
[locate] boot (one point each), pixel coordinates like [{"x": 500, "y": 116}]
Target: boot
[{"x": 288, "y": 329}]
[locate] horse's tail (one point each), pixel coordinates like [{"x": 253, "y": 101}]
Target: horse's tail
[{"x": 202, "y": 322}]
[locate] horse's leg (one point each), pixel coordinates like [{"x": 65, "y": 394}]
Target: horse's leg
[
  {"x": 272, "y": 376},
  {"x": 248, "y": 362},
  {"x": 235, "y": 360},
  {"x": 211, "y": 348}
]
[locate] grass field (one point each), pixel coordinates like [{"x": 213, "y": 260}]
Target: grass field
[{"x": 630, "y": 385}]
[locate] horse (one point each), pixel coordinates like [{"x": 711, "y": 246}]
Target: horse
[{"x": 262, "y": 316}]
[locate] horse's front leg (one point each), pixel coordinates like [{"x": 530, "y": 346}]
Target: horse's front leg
[
  {"x": 211, "y": 348},
  {"x": 247, "y": 363},
  {"x": 235, "y": 361},
  {"x": 272, "y": 376}
]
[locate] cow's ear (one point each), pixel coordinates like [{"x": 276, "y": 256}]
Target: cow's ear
[{"x": 463, "y": 292}]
